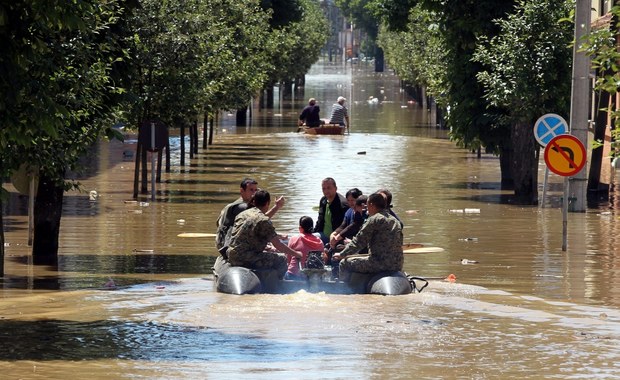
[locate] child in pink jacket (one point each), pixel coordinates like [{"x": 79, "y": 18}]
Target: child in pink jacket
[{"x": 304, "y": 242}]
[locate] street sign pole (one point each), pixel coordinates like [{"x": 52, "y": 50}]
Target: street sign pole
[
  {"x": 546, "y": 128},
  {"x": 542, "y": 204},
  {"x": 565, "y": 215},
  {"x": 580, "y": 97},
  {"x": 565, "y": 155}
]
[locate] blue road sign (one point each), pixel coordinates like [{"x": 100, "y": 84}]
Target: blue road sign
[{"x": 549, "y": 126}]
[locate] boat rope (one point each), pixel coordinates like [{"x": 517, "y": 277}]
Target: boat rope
[{"x": 414, "y": 287}]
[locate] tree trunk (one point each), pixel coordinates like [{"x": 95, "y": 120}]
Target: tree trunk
[
  {"x": 242, "y": 116},
  {"x": 524, "y": 163},
  {"x": 287, "y": 89},
  {"x": 379, "y": 60},
  {"x": 144, "y": 182},
  {"x": 182, "y": 144},
  {"x": 505, "y": 159},
  {"x": 205, "y": 123},
  {"x": 596, "y": 159},
  {"x": 47, "y": 213},
  {"x": 1, "y": 239},
  {"x": 269, "y": 97},
  {"x": 195, "y": 136},
  {"x": 211, "y": 130}
]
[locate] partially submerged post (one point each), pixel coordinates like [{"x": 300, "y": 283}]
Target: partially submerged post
[{"x": 152, "y": 137}]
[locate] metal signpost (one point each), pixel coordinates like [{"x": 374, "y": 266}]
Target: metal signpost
[
  {"x": 546, "y": 128},
  {"x": 565, "y": 155}
]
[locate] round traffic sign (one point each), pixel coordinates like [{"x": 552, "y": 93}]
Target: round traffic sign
[
  {"x": 565, "y": 155},
  {"x": 548, "y": 126}
]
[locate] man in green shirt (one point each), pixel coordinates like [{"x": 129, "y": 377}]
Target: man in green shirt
[{"x": 332, "y": 208}]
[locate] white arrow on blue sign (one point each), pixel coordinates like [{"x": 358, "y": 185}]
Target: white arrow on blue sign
[{"x": 549, "y": 126}]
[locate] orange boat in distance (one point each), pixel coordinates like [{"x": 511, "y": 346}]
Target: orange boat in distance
[{"x": 325, "y": 129}]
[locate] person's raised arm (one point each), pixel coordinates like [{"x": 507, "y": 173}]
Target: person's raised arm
[{"x": 280, "y": 201}]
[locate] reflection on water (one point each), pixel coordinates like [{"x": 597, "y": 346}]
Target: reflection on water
[
  {"x": 183, "y": 329},
  {"x": 526, "y": 309}
]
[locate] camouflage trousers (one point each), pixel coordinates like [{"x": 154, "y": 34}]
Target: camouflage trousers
[
  {"x": 363, "y": 264},
  {"x": 259, "y": 260}
]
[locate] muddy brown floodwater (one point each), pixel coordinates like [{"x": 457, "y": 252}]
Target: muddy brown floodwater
[{"x": 526, "y": 309}]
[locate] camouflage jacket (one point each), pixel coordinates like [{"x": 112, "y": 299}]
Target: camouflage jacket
[
  {"x": 226, "y": 220},
  {"x": 251, "y": 232},
  {"x": 382, "y": 235}
]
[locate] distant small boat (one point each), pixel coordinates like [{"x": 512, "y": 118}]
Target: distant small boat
[{"x": 325, "y": 129}]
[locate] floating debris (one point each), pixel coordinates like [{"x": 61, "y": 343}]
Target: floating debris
[
  {"x": 143, "y": 250},
  {"x": 465, "y": 211},
  {"x": 451, "y": 278},
  {"x": 468, "y": 262},
  {"x": 362, "y": 152},
  {"x": 110, "y": 284},
  {"x": 181, "y": 221},
  {"x": 410, "y": 212},
  {"x": 469, "y": 239}
]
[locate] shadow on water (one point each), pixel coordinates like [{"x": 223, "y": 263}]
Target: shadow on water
[
  {"x": 47, "y": 340},
  {"x": 93, "y": 270}
]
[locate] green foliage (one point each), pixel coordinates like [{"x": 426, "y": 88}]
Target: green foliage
[
  {"x": 472, "y": 121},
  {"x": 283, "y": 12},
  {"x": 298, "y": 46},
  {"x": 192, "y": 54},
  {"x": 528, "y": 64},
  {"x": 601, "y": 46},
  {"x": 55, "y": 80},
  {"x": 363, "y": 16},
  {"x": 418, "y": 54},
  {"x": 394, "y": 13}
]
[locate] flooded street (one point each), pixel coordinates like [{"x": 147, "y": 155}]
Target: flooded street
[{"x": 524, "y": 309}]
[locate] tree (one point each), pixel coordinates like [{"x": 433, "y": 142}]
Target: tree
[
  {"x": 57, "y": 93},
  {"x": 296, "y": 45},
  {"x": 365, "y": 17},
  {"x": 194, "y": 56},
  {"x": 528, "y": 73},
  {"x": 602, "y": 48},
  {"x": 417, "y": 54}
]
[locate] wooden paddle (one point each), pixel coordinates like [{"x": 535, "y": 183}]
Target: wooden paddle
[
  {"x": 410, "y": 248},
  {"x": 412, "y": 245},
  {"x": 195, "y": 234},
  {"x": 423, "y": 250}
]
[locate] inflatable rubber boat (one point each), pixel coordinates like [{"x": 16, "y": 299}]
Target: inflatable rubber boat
[{"x": 240, "y": 280}]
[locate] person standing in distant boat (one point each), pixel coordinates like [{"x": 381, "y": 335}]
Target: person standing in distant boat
[
  {"x": 340, "y": 114},
  {"x": 311, "y": 115}
]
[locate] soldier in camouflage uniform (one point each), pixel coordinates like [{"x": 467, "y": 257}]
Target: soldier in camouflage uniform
[
  {"x": 251, "y": 233},
  {"x": 382, "y": 235},
  {"x": 228, "y": 214}
]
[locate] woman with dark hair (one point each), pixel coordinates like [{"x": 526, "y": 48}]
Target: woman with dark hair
[
  {"x": 251, "y": 233},
  {"x": 304, "y": 242}
]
